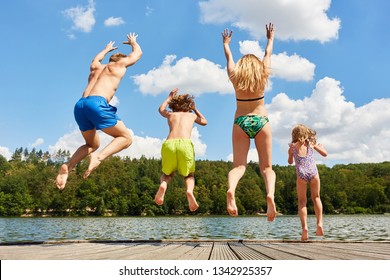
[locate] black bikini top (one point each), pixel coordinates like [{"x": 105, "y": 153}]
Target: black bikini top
[{"x": 252, "y": 99}]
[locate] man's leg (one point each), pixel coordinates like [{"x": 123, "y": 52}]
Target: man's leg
[
  {"x": 92, "y": 143},
  {"x": 122, "y": 140}
]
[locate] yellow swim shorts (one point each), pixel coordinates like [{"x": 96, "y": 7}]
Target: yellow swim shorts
[{"x": 178, "y": 154}]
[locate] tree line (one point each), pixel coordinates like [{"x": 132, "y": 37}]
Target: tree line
[{"x": 126, "y": 187}]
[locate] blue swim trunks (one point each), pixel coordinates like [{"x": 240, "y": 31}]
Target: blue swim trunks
[{"x": 94, "y": 112}]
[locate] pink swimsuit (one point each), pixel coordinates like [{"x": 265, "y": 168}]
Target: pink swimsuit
[{"x": 305, "y": 166}]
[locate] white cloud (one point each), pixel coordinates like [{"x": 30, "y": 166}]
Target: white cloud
[
  {"x": 37, "y": 143},
  {"x": 251, "y": 47},
  {"x": 114, "y": 101},
  {"x": 70, "y": 141},
  {"x": 294, "y": 20},
  {"x": 203, "y": 76},
  {"x": 192, "y": 76},
  {"x": 290, "y": 68},
  {"x": 114, "y": 21},
  {"x": 350, "y": 134},
  {"x": 149, "y": 11},
  {"x": 149, "y": 147},
  {"x": 5, "y": 152},
  {"x": 71, "y": 36},
  {"x": 252, "y": 156},
  {"x": 83, "y": 18},
  {"x": 199, "y": 146}
]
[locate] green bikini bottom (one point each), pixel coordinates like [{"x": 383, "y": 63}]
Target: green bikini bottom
[{"x": 251, "y": 124}]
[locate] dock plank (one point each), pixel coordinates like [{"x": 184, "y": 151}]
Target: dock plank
[
  {"x": 196, "y": 250},
  {"x": 171, "y": 251},
  {"x": 376, "y": 251},
  {"x": 273, "y": 253},
  {"x": 247, "y": 253},
  {"x": 319, "y": 251},
  {"x": 141, "y": 251},
  {"x": 201, "y": 251},
  {"x": 222, "y": 251},
  {"x": 308, "y": 251},
  {"x": 378, "y": 247}
]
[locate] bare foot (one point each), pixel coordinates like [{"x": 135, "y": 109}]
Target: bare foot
[
  {"x": 271, "y": 209},
  {"x": 192, "y": 204},
  {"x": 305, "y": 234},
  {"x": 62, "y": 177},
  {"x": 231, "y": 204},
  {"x": 320, "y": 230},
  {"x": 94, "y": 162},
  {"x": 159, "y": 198}
]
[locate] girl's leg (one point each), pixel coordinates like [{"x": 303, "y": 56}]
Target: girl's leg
[
  {"x": 190, "y": 184},
  {"x": 164, "y": 181},
  {"x": 263, "y": 143},
  {"x": 315, "y": 196},
  {"x": 241, "y": 143},
  {"x": 302, "y": 209}
]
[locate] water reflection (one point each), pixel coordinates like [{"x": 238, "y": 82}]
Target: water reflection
[{"x": 370, "y": 227}]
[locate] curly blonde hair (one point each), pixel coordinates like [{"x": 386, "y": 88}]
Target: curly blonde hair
[
  {"x": 302, "y": 133},
  {"x": 182, "y": 103},
  {"x": 250, "y": 73}
]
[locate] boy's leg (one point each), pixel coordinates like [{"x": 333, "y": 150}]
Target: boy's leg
[
  {"x": 122, "y": 140},
  {"x": 315, "y": 196},
  {"x": 190, "y": 185},
  {"x": 164, "y": 181},
  {"x": 92, "y": 143},
  {"x": 302, "y": 209}
]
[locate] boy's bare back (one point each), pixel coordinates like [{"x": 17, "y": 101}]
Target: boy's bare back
[
  {"x": 181, "y": 120},
  {"x": 180, "y": 124}
]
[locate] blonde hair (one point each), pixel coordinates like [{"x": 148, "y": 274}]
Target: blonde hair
[
  {"x": 250, "y": 73},
  {"x": 301, "y": 133},
  {"x": 182, "y": 103}
]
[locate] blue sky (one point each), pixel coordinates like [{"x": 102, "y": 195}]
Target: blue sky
[{"x": 330, "y": 70}]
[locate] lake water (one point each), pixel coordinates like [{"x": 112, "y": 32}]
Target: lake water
[{"x": 354, "y": 227}]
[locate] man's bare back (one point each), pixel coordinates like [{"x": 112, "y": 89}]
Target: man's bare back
[{"x": 108, "y": 80}]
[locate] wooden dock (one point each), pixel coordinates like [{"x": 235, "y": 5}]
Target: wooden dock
[{"x": 196, "y": 250}]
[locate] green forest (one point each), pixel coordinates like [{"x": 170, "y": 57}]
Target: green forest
[{"x": 126, "y": 187}]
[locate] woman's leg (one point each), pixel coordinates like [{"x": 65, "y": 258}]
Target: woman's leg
[
  {"x": 263, "y": 141},
  {"x": 241, "y": 143}
]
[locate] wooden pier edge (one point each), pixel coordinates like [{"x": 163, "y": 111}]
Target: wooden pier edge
[
  {"x": 109, "y": 241},
  {"x": 196, "y": 249}
]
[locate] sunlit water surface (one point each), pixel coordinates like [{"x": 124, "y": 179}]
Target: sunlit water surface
[{"x": 353, "y": 227}]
